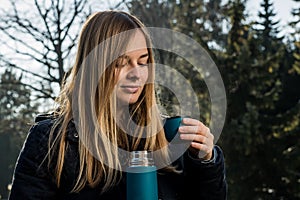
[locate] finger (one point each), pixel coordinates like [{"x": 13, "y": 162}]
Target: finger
[
  {"x": 202, "y": 147},
  {"x": 190, "y": 137},
  {"x": 203, "y": 130},
  {"x": 189, "y": 129},
  {"x": 195, "y": 122},
  {"x": 209, "y": 134},
  {"x": 191, "y": 122},
  {"x": 195, "y": 138}
]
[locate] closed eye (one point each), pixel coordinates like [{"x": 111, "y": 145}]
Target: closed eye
[
  {"x": 143, "y": 61},
  {"x": 143, "y": 64},
  {"x": 122, "y": 61}
]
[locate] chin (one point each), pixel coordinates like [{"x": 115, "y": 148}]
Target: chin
[
  {"x": 132, "y": 101},
  {"x": 127, "y": 101}
]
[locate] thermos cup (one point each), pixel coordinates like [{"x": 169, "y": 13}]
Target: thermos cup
[{"x": 171, "y": 125}]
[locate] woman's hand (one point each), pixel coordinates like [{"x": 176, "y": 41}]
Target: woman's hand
[{"x": 202, "y": 140}]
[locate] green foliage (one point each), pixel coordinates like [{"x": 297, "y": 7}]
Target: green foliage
[
  {"x": 16, "y": 114},
  {"x": 256, "y": 71},
  {"x": 260, "y": 138},
  {"x": 296, "y": 39},
  {"x": 260, "y": 71}
]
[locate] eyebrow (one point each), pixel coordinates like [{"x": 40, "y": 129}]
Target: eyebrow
[{"x": 144, "y": 55}]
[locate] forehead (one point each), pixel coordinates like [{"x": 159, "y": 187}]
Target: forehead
[{"x": 137, "y": 43}]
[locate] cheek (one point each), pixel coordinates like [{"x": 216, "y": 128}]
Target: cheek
[
  {"x": 145, "y": 74},
  {"x": 119, "y": 75}
]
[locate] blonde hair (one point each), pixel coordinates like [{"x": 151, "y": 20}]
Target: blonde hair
[{"x": 98, "y": 28}]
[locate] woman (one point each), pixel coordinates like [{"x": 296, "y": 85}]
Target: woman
[{"x": 74, "y": 153}]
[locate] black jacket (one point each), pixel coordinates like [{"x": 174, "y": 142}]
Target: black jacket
[{"x": 32, "y": 180}]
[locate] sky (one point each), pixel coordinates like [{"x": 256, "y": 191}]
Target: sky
[{"x": 281, "y": 7}]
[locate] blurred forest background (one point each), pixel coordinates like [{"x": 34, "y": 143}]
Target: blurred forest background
[{"x": 260, "y": 69}]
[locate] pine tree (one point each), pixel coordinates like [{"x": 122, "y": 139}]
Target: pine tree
[
  {"x": 16, "y": 114},
  {"x": 240, "y": 133},
  {"x": 201, "y": 21},
  {"x": 261, "y": 135},
  {"x": 270, "y": 29},
  {"x": 296, "y": 38},
  {"x": 263, "y": 122}
]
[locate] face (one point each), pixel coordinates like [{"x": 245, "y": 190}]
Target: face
[{"x": 132, "y": 70}]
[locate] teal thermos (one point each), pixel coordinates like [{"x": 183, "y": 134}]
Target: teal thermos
[{"x": 141, "y": 180}]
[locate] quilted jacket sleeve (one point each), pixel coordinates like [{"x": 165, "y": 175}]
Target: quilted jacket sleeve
[
  {"x": 32, "y": 179},
  {"x": 205, "y": 180}
]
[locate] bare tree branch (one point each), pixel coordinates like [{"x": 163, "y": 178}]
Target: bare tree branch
[
  {"x": 29, "y": 72},
  {"x": 46, "y": 37}
]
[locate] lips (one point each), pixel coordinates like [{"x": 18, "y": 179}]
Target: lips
[{"x": 130, "y": 88}]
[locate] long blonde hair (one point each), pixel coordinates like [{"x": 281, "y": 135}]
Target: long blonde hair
[{"x": 98, "y": 28}]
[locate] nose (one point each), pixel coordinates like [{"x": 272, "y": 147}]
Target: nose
[{"x": 134, "y": 73}]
